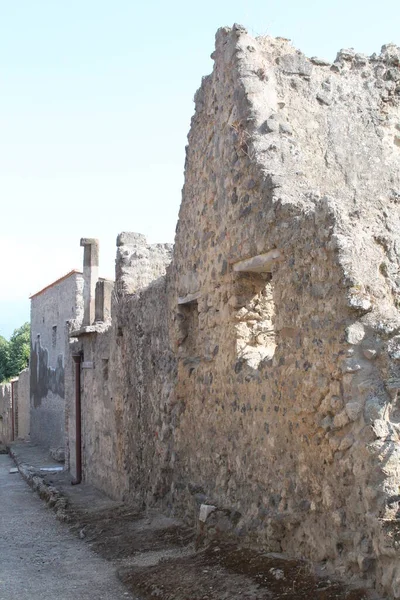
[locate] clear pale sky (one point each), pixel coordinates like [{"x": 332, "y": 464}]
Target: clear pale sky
[{"x": 95, "y": 105}]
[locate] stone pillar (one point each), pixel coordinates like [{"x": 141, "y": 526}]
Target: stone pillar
[
  {"x": 104, "y": 290},
  {"x": 90, "y": 278}
]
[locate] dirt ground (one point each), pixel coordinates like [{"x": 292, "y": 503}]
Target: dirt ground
[{"x": 158, "y": 558}]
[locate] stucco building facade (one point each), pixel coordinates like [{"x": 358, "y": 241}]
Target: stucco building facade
[{"x": 53, "y": 311}]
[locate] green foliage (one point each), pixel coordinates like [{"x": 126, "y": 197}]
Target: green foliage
[
  {"x": 4, "y": 358},
  {"x": 14, "y": 354}
]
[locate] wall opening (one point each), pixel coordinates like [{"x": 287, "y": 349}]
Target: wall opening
[
  {"x": 188, "y": 325},
  {"x": 255, "y": 318},
  {"x": 54, "y": 336}
]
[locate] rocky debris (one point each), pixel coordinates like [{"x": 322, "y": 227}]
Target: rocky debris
[{"x": 57, "y": 454}]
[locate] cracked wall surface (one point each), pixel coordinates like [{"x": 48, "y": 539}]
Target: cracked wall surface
[{"x": 261, "y": 373}]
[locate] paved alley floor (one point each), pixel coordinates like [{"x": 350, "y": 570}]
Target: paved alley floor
[{"x": 40, "y": 557}]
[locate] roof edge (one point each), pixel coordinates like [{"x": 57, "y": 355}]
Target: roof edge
[{"x": 73, "y": 272}]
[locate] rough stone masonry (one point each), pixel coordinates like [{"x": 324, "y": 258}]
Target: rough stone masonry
[{"x": 261, "y": 374}]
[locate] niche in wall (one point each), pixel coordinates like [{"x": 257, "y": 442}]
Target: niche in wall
[{"x": 254, "y": 317}]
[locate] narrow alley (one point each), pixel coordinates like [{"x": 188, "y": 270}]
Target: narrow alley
[{"x": 39, "y": 557}]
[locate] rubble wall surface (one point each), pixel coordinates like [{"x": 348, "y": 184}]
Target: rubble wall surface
[
  {"x": 50, "y": 311},
  {"x": 288, "y": 378}
]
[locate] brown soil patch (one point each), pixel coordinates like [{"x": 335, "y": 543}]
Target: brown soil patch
[{"x": 229, "y": 573}]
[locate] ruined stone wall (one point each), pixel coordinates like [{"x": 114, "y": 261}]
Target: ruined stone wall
[
  {"x": 125, "y": 378},
  {"x": 50, "y": 311},
  {"x": 5, "y": 414},
  {"x": 288, "y": 381},
  {"x": 261, "y": 374},
  {"x": 142, "y": 371}
]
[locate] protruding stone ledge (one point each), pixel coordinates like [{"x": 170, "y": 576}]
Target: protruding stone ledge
[
  {"x": 189, "y": 298},
  {"x": 100, "y": 327},
  {"x": 262, "y": 263}
]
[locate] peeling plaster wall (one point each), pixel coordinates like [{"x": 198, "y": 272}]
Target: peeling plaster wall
[{"x": 50, "y": 312}]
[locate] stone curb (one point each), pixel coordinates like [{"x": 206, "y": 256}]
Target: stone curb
[{"x": 51, "y": 495}]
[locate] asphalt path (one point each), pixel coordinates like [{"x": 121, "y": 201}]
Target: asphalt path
[{"x": 39, "y": 557}]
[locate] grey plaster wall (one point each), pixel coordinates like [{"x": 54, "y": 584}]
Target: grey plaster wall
[
  {"x": 50, "y": 312},
  {"x": 23, "y": 405}
]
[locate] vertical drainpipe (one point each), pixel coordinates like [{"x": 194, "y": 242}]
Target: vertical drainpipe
[{"x": 78, "y": 419}]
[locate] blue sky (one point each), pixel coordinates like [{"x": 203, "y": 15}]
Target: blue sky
[{"x": 95, "y": 106}]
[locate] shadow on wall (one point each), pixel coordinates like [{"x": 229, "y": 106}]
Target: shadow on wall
[{"x": 43, "y": 377}]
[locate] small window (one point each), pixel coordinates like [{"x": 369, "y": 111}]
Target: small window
[
  {"x": 54, "y": 336},
  {"x": 188, "y": 326}
]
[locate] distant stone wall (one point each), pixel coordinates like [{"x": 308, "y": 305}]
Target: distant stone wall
[
  {"x": 50, "y": 312},
  {"x": 142, "y": 372},
  {"x": 15, "y": 394},
  {"x": 124, "y": 377},
  {"x": 5, "y": 414}
]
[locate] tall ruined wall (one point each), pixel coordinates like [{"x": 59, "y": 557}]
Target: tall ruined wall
[
  {"x": 288, "y": 378},
  {"x": 5, "y": 414},
  {"x": 261, "y": 373},
  {"x": 50, "y": 311}
]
